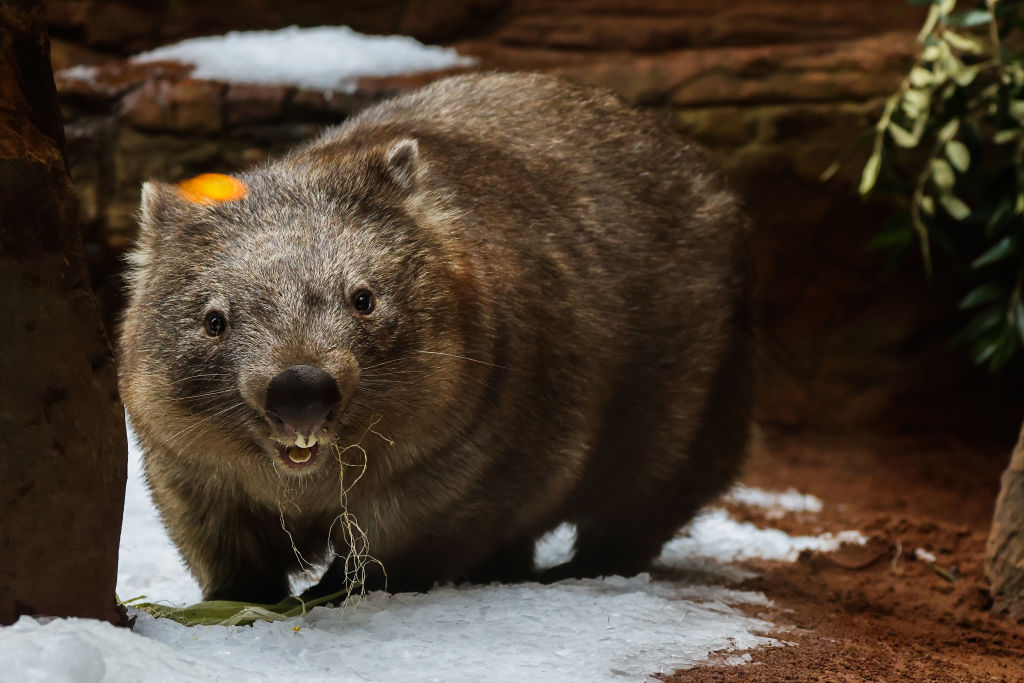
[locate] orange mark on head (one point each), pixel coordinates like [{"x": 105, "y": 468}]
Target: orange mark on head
[{"x": 212, "y": 188}]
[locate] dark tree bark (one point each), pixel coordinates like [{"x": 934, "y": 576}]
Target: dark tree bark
[
  {"x": 1004, "y": 561},
  {"x": 62, "y": 438}
]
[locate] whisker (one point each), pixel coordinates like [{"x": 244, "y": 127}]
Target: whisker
[
  {"x": 382, "y": 383},
  {"x": 193, "y": 377},
  {"x": 383, "y": 363},
  {"x": 206, "y": 419},
  {"x": 210, "y": 393},
  {"x": 199, "y": 434},
  {"x": 466, "y": 358},
  {"x": 410, "y": 372}
]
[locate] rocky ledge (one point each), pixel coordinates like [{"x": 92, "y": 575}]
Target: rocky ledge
[{"x": 774, "y": 112}]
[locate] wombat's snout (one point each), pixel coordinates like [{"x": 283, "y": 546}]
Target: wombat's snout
[{"x": 301, "y": 400}]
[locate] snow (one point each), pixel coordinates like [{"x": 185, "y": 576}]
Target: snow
[
  {"x": 612, "y": 629},
  {"x": 148, "y": 563},
  {"x": 80, "y": 72},
  {"x": 324, "y": 57},
  {"x": 713, "y": 534},
  {"x": 777, "y": 503}
]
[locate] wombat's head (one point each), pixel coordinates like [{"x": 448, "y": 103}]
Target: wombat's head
[{"x": 293, "y": 315}]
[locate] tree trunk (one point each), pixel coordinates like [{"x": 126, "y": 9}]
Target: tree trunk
[
  {"x": 1004, "y": 561},
  {"x": 62, "y": 450}
]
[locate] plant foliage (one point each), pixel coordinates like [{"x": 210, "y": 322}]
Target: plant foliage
[{"x": 955, "y": 129}]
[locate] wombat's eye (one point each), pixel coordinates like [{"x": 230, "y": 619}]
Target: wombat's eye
[
  {"x": 215, "y": 323},
  {"x": 363, "y": 301}
]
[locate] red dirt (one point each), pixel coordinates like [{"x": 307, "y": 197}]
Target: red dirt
[{"x": 877, "y": 613}]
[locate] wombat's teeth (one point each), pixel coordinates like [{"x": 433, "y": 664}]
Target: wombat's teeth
[
  {"x": 299, "y": 455},
  {"x": 305, "y": 441}
]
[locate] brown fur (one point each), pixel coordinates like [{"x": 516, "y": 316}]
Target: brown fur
[{"x": 563, "y": 333}]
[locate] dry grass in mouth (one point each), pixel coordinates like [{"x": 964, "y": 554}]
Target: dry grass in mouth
[{"x": 355, "y": 562}]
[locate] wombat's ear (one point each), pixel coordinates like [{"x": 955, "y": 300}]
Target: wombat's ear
[
  {"x": 162, "y": 208},
  {"x": 403, "y": 163},
  {"x": 157, "y": 198},
  {"x": 160, "y": 204}
]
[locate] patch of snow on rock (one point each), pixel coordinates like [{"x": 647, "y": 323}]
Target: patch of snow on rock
[
  {"x": 80, "y": 72},
  {"x": 323, "y": 57}
]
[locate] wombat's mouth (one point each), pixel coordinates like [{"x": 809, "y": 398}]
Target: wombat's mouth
[{"x": 297, "y": 458}]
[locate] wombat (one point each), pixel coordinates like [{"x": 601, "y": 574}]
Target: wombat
[{"x": 528, "y": 303}]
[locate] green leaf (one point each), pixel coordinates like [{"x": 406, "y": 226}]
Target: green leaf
[
  {"x": 963, "y": 43},
  {"x": 869, "y": 176},
  {"x": 954, "y": 206},
  {"x": 902, "y": 137},
  {"x": 934, "y": 12},
  {"x": 1015, "y": 70},
  {"x": 980, "y": 325},
  {"x": 949, "y": 130},
  {"x": 942, "y": 174},
  {"x": 981, "y": 294},
  {"x": 233, "y": 613},
  {"x": 1017, "y": 109},
  {"x": 927, "y": 205},
  {"x": 949, "y": 63},
  {"x": 983, "y": 350},
  {"x": 920, "y": 77},
  {"x": 1003, "y": 136},
  {"x": 999, "y": 215},
  {"x": 968, "y": 18},
  {"x": 958, "y": 155},
  {"x": 965, "y": 77},
  {"x": 916, "y": 100},
  {"x": 997, "y": 252}
]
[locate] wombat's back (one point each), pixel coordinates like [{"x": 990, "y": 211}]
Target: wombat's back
[{"x": 619, "y": 274}]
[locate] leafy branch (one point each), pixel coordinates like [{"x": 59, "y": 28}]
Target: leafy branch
[{"x": 951, "y": 139}]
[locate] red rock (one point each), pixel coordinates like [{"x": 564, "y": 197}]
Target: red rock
[
  {"x": 317, "y": 104},
  {"x": 846, "y": 70},
  {"x": 255, "y": 103},
  {"x": 182, "y": 106},
  {"x": 438, "y": 21},
  {"x": 653, "y": 25},
  {"x": 64, "y": 54}
]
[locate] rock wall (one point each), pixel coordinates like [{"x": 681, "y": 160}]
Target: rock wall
[{"x": 776, "y": 90}]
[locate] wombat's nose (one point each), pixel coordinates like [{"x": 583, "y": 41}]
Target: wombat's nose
[{"x": 303, "y": 397}]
